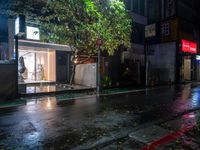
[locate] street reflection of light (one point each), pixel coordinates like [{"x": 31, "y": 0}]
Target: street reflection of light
[
  {"x": 31, "y": 106},
  {"x": 188, "y": 120},
  {"x": 32, "y": 102},
  {"x": 189, "y": 116},
  {"x": 195, "y": 98},
  {"x": 49, "y": 104},
  {"x": 48, "y": 88},
  {"x": 186, "y": 93},
  {"x": 32, "y": 137}
]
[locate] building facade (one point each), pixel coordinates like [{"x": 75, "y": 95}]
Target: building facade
[
  {"x": 27, "y": 62},
  {"x": 173, "y": 51},
  {"x": 133, "y": 58},
  {"x": 8, "y": 67}
]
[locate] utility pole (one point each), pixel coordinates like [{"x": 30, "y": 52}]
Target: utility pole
[
  {"x": 16, "y": 59},
  {"x": 150, "y": 32},
  {"x": 146, "y": 62},
  {"x": 99, "y": 42}
]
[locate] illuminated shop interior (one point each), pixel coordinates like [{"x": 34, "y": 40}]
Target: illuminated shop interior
[{"x": 40, "y": 64}]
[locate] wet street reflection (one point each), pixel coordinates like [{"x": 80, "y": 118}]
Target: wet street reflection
[{"x": 65, "y": 123}]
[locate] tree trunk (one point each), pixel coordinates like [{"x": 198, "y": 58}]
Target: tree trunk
[
  {"x": 73, "y": 74},
  {"x": 73, "y": 57}
]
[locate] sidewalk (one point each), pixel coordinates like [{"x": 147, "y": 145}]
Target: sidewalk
[
  {"x": 31, "y": 90},
  {"x": 66, "y": 94},
  {"x": 74, "y": 120},
  {"x": 49, "y": 89},
  {"x": 15, "y": 103},
  {"x": 180, "y": 133}
]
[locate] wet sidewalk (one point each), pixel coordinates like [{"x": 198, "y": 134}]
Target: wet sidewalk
[
  {"x": 180, "y": 133},
  {"x": 70, "y": 121},
  {"x": 42, "y": 89},
  {"x": 65, "y": 93}
]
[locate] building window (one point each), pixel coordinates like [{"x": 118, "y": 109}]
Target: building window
[
  {"x": 128, "y": 4},
  {"x": 138, "y": 33},
  {"x": 142, "y": 7},
  {"x": 3, "y": 38},
  {"x": 153, "y": 10},
  {"x": 136, "y": 6}
]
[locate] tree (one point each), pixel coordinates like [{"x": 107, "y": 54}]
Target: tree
[
  {"x": 29, "y": 8},
  {"x": 79, "y": 23}
]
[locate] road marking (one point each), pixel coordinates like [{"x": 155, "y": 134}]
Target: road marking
[
  {"x": 187, "y": 126},
  {"x": 168, "y": 138}
]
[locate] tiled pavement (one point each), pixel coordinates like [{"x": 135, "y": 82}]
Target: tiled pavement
[{"x": 178, "y": 134}]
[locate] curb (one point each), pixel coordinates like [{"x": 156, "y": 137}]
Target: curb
[
  {"x": 57, "y": 92},
  {"x": 13, "y": 104},
  {"x": 39, "y": 95},
  {"x": 127, "y": 134},
  {"x": 33, "y": 95}
]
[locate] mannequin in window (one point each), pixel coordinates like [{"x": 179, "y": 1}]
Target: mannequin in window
[
  {"x": 40, "y": 72},
  {"x": 21, "y": 69}
]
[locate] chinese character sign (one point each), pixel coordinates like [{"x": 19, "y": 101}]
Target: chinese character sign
[
  {"x": 165, "y": 29},
  {"x": 187, "y": 46}
]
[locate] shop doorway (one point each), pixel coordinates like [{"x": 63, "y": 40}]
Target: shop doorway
[
  {"x": 187, "y": 68},
  {"x": 198, "y": 70},
  {"x": 63, "y": 68}
]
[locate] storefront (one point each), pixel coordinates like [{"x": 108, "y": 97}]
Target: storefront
[
  {"x": 43, "y": 62},
  {"x": 198, "y": 67},
  {"x": 188, "y": 60},
  {"x": 173, "y": 62},
  {"x": 39, "y": 64}
]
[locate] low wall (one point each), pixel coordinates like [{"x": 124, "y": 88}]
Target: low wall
[
  {"x": 85, "y": 74},
  {"x": 8, "y": 81}
]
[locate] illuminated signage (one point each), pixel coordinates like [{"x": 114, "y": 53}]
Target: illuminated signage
[
  {"x": 187, "y": 46},
  {"x": 198, "y": 57},
  {"x": 17, "y": 26},
  {"x": 150, "y": 30},
  {"x": 32, "y": 33},
  {"x": 20, "y": 25}
]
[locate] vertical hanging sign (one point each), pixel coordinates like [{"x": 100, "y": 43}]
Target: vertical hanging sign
[{"x": 20, "y": 26}]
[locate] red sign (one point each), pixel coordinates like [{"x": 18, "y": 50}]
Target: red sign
[{"x": 187, "y": 46}]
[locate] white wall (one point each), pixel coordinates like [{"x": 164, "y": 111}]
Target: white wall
[{"x": 85, "y": 74}]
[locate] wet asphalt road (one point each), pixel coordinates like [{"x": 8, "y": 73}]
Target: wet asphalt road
[{"x": 47, "y": 123}]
